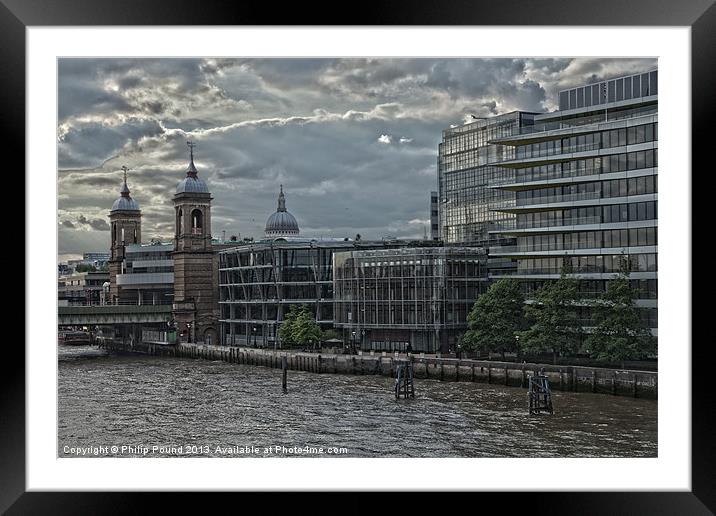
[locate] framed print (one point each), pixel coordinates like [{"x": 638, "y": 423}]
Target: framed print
[{"x": 427, "y": 241}]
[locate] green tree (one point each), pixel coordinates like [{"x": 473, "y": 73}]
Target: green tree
[
  {"x": 286, "y": 330},
  {"x": 305, "y": 328},
  {"x": 554, "y": 317},
  {"x": 620, "y": 333},
  {"x": 299, "y": 327},
  {"x": 495, "y": 319},
  {"x": 85, "y": 267}
]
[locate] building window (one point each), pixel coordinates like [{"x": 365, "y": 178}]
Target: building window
[
  {"x": 197, "y": 222},
  {"x": 653, "y": 83},
  {"x": 636, "y": 86}
]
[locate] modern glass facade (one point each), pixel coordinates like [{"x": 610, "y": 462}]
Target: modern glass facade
[
  {"x": 466, "y": 168},
  {"x": 259, "y": 282},
  {"x": 146, "y": 276},
  {"x": 385, "y": 299},
  {"x": 584, "y": 185},
  {"x": 434, "y": 217}
]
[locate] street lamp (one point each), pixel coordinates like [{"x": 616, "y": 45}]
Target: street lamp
[{"x": 253, "y": 332}]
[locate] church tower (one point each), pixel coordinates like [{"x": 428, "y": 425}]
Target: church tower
[
  {"x": 195, "y": 267},
  {"x": 125, "y": 228}
]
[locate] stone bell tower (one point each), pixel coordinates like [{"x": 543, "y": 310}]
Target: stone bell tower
[
  {"x": 125, "y": 228},
  {"x": 196, "y": 309}
]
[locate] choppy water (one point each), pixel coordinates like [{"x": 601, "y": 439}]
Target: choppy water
[{"x": 190, "y": 407}]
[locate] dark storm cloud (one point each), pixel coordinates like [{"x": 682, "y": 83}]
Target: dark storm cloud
[
  {"x": 353, "y": 141},
  {"x": 96, "y": 224}
]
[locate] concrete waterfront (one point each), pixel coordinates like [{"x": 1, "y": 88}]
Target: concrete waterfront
[{"x": 641, "y": 384}]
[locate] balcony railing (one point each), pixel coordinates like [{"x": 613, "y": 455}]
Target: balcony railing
[
  {"x": 513, "y": 225},
  {"x": 555, "y": 152},
  {"x": 521, "y": 203},
  {"x": 587, "y": 269},
  {"x": 582, "y": 121},
  {"x": 553, "y": 270}
]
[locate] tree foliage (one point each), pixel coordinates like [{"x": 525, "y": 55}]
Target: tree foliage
[
  {"x": 620, "y": 334},
  {"x": 495, "y": 319},
  {"x": 554, "y": 317},
  {"x": 299, "y": 328}
]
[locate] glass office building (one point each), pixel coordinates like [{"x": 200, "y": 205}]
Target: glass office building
[
  {"x": 146, "y": 276},
  {"x": 466, "y": 167},
  {"x": 259, "y": 282},
  {"x": 583, "y": 185},
  {"x": 386, "y": 299}
]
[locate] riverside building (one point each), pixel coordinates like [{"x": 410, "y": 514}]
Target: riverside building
[
  {"x": 582, "y": 185},
  {"x": 386, "y": 299},
  {"x": 260, "y": 281},
  {"x": 466, "y": 168}
]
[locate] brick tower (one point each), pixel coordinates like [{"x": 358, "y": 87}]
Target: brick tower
[
  {"x": 125, "y": 228},
  {"x": 196, "y": 309}
]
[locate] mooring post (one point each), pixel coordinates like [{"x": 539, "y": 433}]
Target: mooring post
[
  {"x": 472, "y": 372},
  {"x": 633, "y": 386},
  {"x": 560, "y": 380},
  {"x": 614, "y": 382},
  {"x": 442, "y": 373},
  {"x": 284, "y": 367},
  {"x": 507, "y": 376},
  {"x": 457, "y": 371},
  {"x": 594, "y": 381},
  {"x": 522, "y": 381},
  {"x": 489, "y": 373},
  {"x": 319, "y": 363}
]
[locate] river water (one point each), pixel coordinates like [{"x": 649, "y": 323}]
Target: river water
[{"x": 176, "y": 407}]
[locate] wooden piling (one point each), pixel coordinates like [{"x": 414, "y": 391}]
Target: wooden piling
[
  {"x": 574, "y": 380},
  {"x": 614, "y": 383},
  {"x": 472, "y": 372},
  {"x": 561, "y": 387},
  {"x": 634, "y": 386},
  {"x": 507, "y": 376},
  {"x": 457, "y": 371},
  {"x": 284, "y": 367},
  {"x": 489, "y": 374},
  {"x": 594, "y": 381}
]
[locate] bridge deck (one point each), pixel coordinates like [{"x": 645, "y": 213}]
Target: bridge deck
[{"x": 113, "y": 314}]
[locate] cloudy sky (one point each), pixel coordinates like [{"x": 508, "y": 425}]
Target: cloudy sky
[{"x": 353, "y": 141}]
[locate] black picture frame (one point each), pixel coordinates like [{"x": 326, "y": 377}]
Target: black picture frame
[{"x": 700, "y": 15}]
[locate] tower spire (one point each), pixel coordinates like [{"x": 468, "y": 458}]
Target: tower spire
[
  {"x": 125, "y": 189},
  {"x": 281, "y": 200},
  {"x": 191, "y": 171}
]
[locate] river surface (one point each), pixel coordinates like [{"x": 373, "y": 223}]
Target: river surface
[{"x": 178, "y": 407}]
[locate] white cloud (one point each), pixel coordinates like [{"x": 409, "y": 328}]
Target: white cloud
[
  {"x": 385, "y": 138},
  {"x": 406, "y": 140}
]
